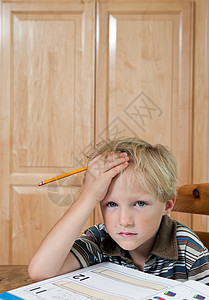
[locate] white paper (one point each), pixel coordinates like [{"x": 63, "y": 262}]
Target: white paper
[{"x": 108, "y": 281}]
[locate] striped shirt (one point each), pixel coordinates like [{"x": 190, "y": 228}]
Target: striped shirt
[{"x": 176, "y": 254}]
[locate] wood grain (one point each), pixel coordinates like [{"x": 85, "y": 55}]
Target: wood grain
[
  {"x": 70, "y": 72},
  {"x": 47, "y": 115},
  {"x": 144, "y": 64},
  {"x": 12, "y": 277},
  {"x": 201, "y": 103},
  {"x": 193, "y": 199}
]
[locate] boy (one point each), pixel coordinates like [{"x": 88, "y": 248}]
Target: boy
[{"x": 135, "y": 185}]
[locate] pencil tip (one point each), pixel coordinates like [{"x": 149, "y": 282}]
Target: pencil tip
[{"x": 40, "y": 183}]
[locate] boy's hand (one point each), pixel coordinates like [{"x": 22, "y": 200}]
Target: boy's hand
[{"x": 101, "y": 171}]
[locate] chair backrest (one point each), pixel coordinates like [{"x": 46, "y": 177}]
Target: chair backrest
[{"x": 194, "y": 198}]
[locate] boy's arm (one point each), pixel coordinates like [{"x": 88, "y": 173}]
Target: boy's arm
[
  {"x": 200, "y": 268},
  {"x": 53, "y": 256}
]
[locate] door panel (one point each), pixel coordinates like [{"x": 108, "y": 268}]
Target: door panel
[
  {"x": 48, "y": 105},
  {"x": 144, "y": 67},
  {"x": 51, "y": 109}
]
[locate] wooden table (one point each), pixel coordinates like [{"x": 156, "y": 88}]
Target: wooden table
[{"x": 12, "y": 277}]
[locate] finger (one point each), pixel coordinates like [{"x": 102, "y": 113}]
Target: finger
[
  {"x": 95, "y": 159},
  {"x": 115, "y": 162},
  {"x": 118, "y": 168},
  {"x": 102, "y": 164},
  {"x": 107, "y": 157},
  {"x": 114, "y": 155}
]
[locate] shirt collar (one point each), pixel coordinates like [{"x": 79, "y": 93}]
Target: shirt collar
[{"x": 165, "y": 245}]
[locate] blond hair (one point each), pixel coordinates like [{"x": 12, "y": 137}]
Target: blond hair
[{"x": 155, "y": 165}]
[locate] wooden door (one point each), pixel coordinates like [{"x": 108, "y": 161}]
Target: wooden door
[
  {"x": 201, "y": 104},
  {"x": 46, "y": 115},
  {"x": 144, "y": 55},
  {"x": 144, "y": 76}
]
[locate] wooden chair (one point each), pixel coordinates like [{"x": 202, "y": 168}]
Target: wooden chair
[{"x": 194, "y": 199}]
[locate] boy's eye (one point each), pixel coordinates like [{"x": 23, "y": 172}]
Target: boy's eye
[
  {"x": 111, "y": 204},
  {"x": 140, "y": 203}
]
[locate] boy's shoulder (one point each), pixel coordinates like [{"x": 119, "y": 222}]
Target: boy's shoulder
[
  {"x": 100, "y": 227},
  {"x": 175, "y": 240},
  {"x": 97, "y": 231},
  {"x": 187, "y": 240}
]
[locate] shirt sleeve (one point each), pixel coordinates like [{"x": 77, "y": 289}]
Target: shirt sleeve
[
  {"x": 200, "y": 268},
  {"x": 87, "y": 247}
]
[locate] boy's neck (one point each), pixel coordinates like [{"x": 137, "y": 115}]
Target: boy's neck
[{"x": 140, "y": 255}]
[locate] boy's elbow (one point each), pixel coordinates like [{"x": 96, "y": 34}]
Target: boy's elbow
[{"x": 36, "y": 273}]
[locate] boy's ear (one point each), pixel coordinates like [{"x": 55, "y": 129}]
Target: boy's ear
[{"x": 169, "y": 205}]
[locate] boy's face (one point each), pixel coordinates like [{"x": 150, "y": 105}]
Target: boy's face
[{"x": 131, "y": 215}]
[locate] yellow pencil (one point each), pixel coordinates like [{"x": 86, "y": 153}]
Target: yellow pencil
[{"x": 63, "y": 176}]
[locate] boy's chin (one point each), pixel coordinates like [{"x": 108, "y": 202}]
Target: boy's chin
[{"x": 128, "y": 246}]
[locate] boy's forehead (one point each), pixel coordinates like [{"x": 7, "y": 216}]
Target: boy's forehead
[
  {"x": 128, "y": 184},
  {"x": 131, "y": 178}
]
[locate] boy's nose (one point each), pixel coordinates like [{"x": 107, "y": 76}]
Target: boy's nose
[{"x": 125, "y": 218}]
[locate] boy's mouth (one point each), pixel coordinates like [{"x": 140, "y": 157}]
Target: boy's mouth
[{"x": 127, "y": 234}]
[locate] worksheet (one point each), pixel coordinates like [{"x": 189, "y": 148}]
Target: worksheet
[{"x": 108, "y": 281}]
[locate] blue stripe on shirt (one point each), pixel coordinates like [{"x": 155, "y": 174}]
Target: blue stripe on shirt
[{"x": 190, "y": 240}]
